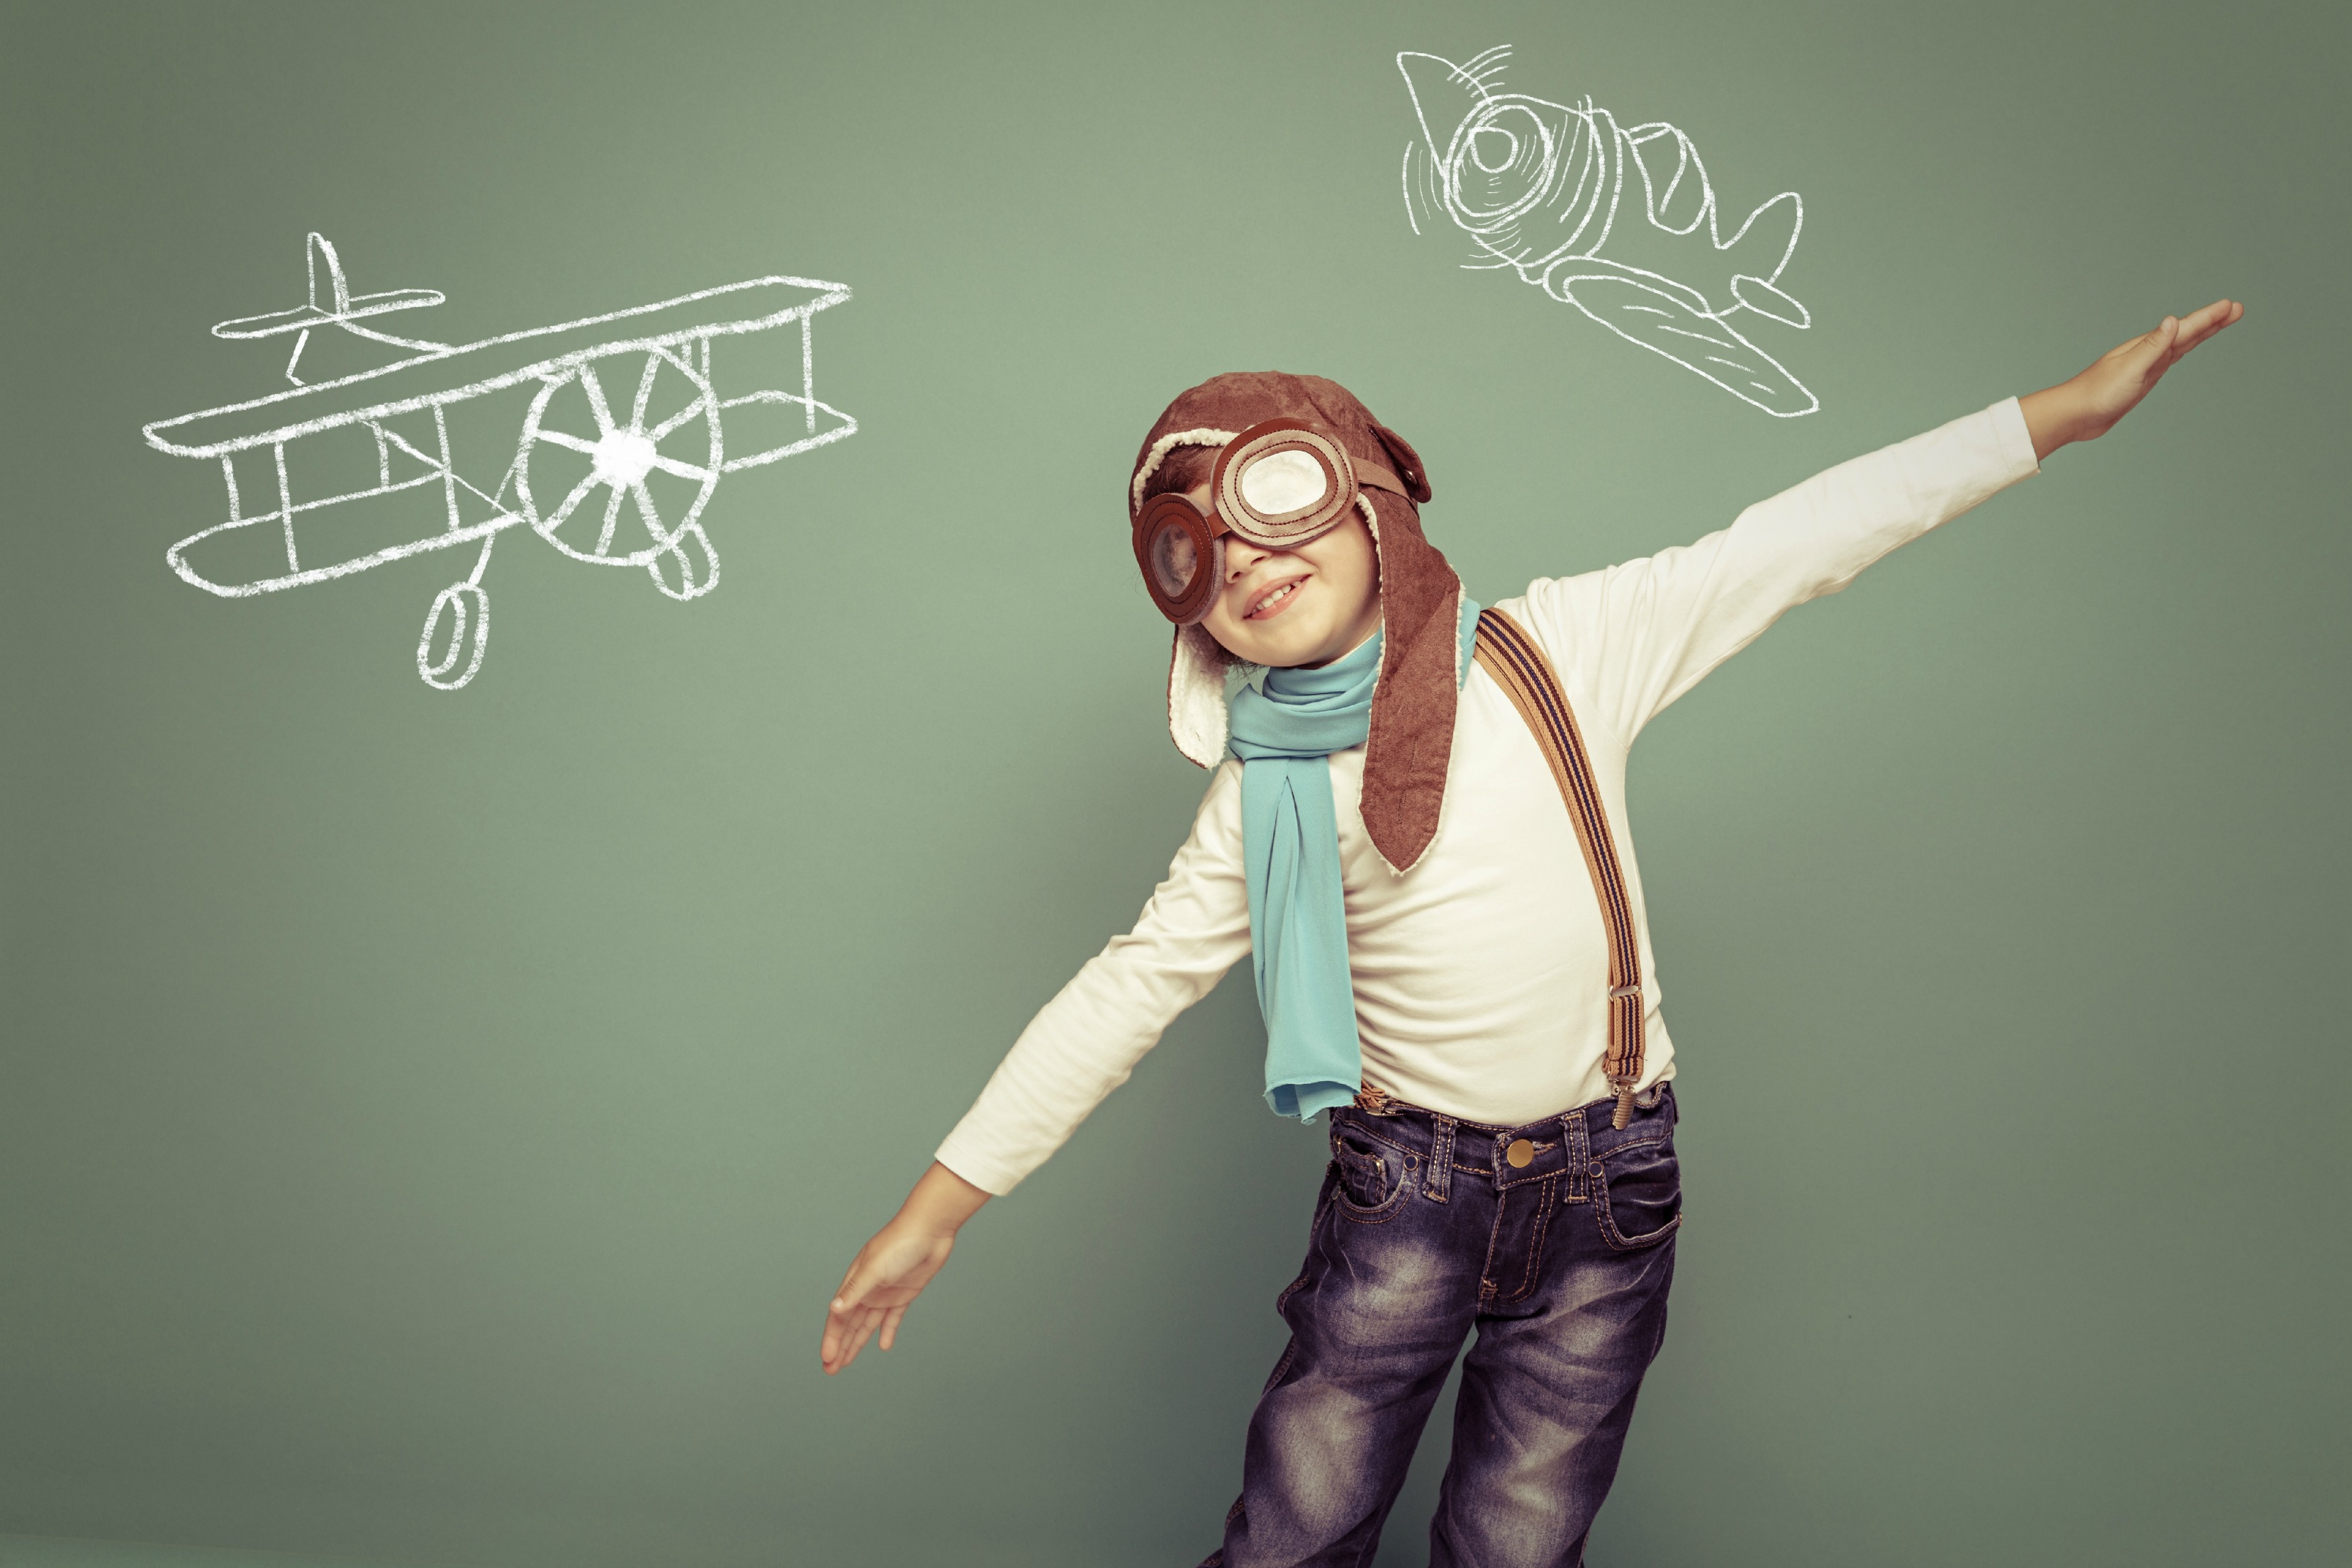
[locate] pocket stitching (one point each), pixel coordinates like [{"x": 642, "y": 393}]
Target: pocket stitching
[
  {"x": 1535, "y": 1246},
  {"x": 1387, "y": 1207},
  {"x": 1617, "y": 1240},
  {"x": 1616, "y": 1149}
]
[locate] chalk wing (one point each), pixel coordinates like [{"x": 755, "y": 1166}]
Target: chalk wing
[{"x": 1667, "y": 324}]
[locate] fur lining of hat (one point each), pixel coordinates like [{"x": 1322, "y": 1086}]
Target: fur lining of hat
[
  {"x": 1196, "y": 696},
  {"x": 1159, "y": 455}
]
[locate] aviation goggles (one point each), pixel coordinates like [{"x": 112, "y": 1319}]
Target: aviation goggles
[{"x": 1279, "y": 484}]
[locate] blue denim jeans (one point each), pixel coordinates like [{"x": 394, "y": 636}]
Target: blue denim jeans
[{"x": 1555, "y": 1242}]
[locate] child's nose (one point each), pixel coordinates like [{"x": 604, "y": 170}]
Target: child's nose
[{"x": 1241, "y": 555}]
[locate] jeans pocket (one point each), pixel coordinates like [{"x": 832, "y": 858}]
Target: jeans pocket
[
  {"x": 1372, "y": 1174},
  {"x": 1641, "y": 1192}
]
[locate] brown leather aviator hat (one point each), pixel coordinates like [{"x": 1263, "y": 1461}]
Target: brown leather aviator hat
[{"x": 1293, "y": 454}]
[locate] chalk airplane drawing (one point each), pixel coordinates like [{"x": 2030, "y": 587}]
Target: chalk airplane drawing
[
  {"x": 1537, "y": 186},
  {"x": 575, "y": 441}
]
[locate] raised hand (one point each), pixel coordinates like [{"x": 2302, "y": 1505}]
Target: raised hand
[
  {"x": 2087, "y": 406},
  {"x": 891, "y": 1270}
]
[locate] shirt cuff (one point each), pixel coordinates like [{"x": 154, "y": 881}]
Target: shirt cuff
[
  {"x": 2015, "y": 441},
  {"x": 993, "y": 1176}
]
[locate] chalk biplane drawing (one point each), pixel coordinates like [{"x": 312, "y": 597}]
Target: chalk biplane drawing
[
  {"x": 1536, "y": 186},
  {"x": 623, "y": 402}
]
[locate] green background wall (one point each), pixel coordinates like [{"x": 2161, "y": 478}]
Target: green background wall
[{"x": 430, "y": 1125}]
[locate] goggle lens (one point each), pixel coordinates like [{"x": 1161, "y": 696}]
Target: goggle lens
[
  {"x": 1283, "y": 481},
  {"x": 1175, "y": 558},
  {"x": 1180, "y": 555}
]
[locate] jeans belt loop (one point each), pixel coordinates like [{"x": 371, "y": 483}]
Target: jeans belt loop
[
  {"x": 1441, "y": 1159},
  {"x": 1577, "y": 1188}
]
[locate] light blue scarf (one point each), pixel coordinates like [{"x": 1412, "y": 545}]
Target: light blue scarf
[{"x": 1285, "y": 729}]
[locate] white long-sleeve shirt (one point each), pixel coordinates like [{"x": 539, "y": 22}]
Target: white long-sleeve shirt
[{"x": 1482, "y": 975}]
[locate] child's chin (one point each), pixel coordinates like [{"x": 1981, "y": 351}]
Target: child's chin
[
  {"x": 1288, "y": 652},
  {"x": 1280, "y": 644}
]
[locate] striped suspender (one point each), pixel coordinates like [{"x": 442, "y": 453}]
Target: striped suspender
[{"x": 1519, "y": 667}]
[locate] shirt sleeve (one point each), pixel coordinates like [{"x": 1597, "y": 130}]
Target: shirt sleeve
[
  {"x": 1086, "y": 1041},
  {"x": 1641, "y": 634}
]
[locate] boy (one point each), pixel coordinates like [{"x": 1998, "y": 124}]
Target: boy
[{"x": 1409, "y": 828}]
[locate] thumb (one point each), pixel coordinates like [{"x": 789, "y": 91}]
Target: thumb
[
  {"x": 2158, "y": 343},
  {"x": 853, "y": 1286}
]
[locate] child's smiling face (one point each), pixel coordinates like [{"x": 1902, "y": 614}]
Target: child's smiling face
[{"x": 1304, "y": 606}]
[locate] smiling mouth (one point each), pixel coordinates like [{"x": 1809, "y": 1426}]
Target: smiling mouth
[{"x": 1274, "y": 600}]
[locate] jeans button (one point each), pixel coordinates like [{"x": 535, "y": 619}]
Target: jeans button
[{"x": 1521, "y": 1155}]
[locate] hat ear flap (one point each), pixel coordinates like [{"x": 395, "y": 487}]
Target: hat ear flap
[
  {"x": 1406, "y": 461},
  {"x": 1196, "y": 696}
]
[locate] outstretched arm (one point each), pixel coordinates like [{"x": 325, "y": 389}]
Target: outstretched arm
[
  {"x": 1081, "y": 1045},
  {"x": 2086, "y": 407},
  {"x": 1634, "y": 636}
]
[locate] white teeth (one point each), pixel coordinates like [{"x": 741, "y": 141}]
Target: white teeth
[{"x": 1274, "y": 599}]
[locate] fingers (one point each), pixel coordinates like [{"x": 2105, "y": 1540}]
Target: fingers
[
  {"x": 2213, "y": 318},
  {"x": 853, "y": 1287},
  {"x": 872, "y": 1300},
  {"x": 843, "y": 1340},
  {"x": 2202, "y": 324},
  {"x": 2187, "y": 333},
  {"x": 848, "y": 1321},
  {"x": 845, "y": 1333}
]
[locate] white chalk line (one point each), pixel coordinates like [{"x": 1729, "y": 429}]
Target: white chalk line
[
  {"x": 847, "y": 427},
  {"x": 623, "y": 454},
  {"x": 463, "y": 535},
  {"x": 621, "y": 458},
  {"x": 324, "y": 574},
  {"x": 1506, "y": 160},
  {"x": 537, "y": 370}
]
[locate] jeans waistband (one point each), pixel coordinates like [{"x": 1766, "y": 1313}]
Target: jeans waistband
[{"x": 1571, "y": 1143}]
